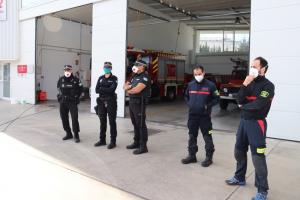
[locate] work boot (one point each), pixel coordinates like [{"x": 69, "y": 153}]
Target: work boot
[
  {"x": 140, "y": 150},
  {"x": 260, "y": 196},
  {"x": 208, "y": 161},
  {"x": 76, "y": 136},
  {"x": 100, "y": 143},
  {"x": 77, "y": 140},
  {"x": 111, "y": 145},
  {"x": 234, "y": 181},
  {"x": 68, "y": 136},
  {"x": 134, "y": 145},
  {"x": 189, "y": 159}
]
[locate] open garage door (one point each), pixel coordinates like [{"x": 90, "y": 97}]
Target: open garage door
[
  {"x": 214, "y": 34},
  {"x": 63, "y": 38}
]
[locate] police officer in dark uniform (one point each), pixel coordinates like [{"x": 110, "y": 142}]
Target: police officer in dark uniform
[
  {"x": 254, "y": 99},
  {"x": 201, "y": 95},
  {"x": 69, "y": 88},
  {"x": 138, "y": 89},
  {"x": 107, "y": 105}
]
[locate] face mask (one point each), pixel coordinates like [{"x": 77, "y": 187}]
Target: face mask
[
  {"x": 134, "y": 69},
  {"x": 199, "y": 78},
  {"x": 107, "y": 70},
  {"x": 67, "y": 74},
  {"x": 253, "y": 72}
]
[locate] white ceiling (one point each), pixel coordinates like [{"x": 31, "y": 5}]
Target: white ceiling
[
  {"x": 203, "y": 13},
  {"x": 82, "y": 14}
]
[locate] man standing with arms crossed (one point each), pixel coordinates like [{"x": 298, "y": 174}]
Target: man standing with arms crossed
[
  {"x": 138, "y": 89},
  {"x": 254, "y": 99},
  {"x": 107, "y": 105}
]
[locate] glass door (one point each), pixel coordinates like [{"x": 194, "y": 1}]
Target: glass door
[{"x": 6, "y": 80}]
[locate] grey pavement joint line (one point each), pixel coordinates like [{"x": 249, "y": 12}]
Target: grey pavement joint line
[{"x": 251, "y": 173}]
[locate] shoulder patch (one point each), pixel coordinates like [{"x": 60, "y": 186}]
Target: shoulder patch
[
  {"x": 145, "y": 79},
  {"x": 264, "y": 94}
]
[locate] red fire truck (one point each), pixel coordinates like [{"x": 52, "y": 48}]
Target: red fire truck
[
  {"x": 165, "y": 69},
  {"x": 229, "y": 88}
]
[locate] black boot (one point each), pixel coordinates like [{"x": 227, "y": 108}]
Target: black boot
[
  {"x": 111, "y": 145},
  {"x": 208, "y": 160},
  {"x": 141, "y": 149},
  {"x": 68, "y": 136},
  {"x": 189, "y": 159},
  {"x": 101, "y": 142},
  {"x": 134, "y": 145},
  {"x": 77, "y": 140},
  {"x": 76, "y": 136}
]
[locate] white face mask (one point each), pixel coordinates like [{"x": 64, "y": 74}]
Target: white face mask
[
  {"x": 253, "y": 72},
  {"x": 67, "y": 74},
  {"x": 199, "y": 78},
  {"x": 135, "y": 69}
]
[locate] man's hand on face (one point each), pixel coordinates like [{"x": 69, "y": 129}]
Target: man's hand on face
[
  {"x": 248, "y": 80},
  {"x": 127, "y": 86}
]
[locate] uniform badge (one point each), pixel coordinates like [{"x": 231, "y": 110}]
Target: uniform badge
[
  {"x": 264, "y": 94},
  {"x": 145, "y": 79}
]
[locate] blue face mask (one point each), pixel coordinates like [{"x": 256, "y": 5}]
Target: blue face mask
[{"x": 107, "y": 70}]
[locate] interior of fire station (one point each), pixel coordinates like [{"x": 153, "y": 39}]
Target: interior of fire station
[
  {"x": 171, "y": 36},
  {"x": 214, "y": 34}
]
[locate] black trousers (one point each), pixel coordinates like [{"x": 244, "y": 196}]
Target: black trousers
[
  {"x": 137, "y": 109},
  {"x": 64, "y": 110},
  {"x": 252, "y": 133},
  {"x": 205, "y": 125},
  {"x": 107, "y": 107}
]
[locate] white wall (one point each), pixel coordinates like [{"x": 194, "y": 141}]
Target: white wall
[
  {"x": 60, "y": 46},
  {"x": 23, "y": 87},
  {"x": 275, "y": 34},
  {"x": 9, "y": 32},
  {"x": 218, "y": 64},
  {"x": 162, "y": 36},
  {"x": 109, "y": 44}
]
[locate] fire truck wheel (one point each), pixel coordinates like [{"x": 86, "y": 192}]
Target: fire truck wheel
[{"x": 223, "y": 104}]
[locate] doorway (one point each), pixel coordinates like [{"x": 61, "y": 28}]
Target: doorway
[{"x": 5, "y": 80}]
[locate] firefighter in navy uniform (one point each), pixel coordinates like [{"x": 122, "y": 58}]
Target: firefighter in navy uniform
[
  {"x": 201, "y": 95},
  {"x": 107, "y": 105},
  {"x": 69, "y": 88},
  {"x": 254, "y": 99},
  {"x": 139, "y": 91}
]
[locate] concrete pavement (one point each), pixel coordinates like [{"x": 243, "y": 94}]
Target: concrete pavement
[{"x": 158, "y": 175}]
